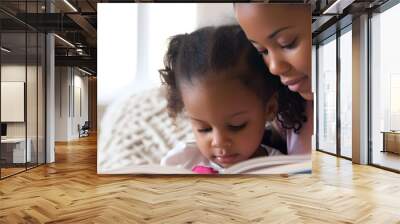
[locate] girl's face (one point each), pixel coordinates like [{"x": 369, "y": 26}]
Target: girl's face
[
  {"x": 228, "y": 119},
  {"x": 282, "y": 34}
]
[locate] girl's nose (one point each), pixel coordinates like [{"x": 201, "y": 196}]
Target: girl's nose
[
  {"x": 225, "y": 144},
  {"x": 221, "y": 142}
]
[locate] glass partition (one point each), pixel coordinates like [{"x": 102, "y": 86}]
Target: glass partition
[
  {"x": 13, "y": 105},
  {"x": 327, "y": 95},
  {"x": 22, "y": 77}
]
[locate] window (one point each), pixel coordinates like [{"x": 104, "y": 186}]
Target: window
[
  {"x": 327, "y": 95},
  {"x": 385, "y": 88}
]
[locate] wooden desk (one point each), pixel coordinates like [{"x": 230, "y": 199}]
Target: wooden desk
[
  {"x": 391, "y": 141},
  {"x": 16, "y": 147}
]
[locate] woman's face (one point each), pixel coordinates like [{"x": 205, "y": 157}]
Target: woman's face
[{"x": 282, "y": 34}]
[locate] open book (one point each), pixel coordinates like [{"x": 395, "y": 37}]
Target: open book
[{"x": 286, "y": 164}]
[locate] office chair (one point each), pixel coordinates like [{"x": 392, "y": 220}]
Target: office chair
[{"x": 84, "y": 130}]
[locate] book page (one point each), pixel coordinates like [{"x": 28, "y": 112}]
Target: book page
[
  {"x": 262, "y": 165},
  {"x": 272, "y": 165}
]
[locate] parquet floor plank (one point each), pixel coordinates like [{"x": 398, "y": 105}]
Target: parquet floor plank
[{"x": 70, "y": 191}]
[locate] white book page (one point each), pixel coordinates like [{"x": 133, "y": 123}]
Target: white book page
[
  {"x": 272, "y": 165},
  {"x": 261, "y": 165}
]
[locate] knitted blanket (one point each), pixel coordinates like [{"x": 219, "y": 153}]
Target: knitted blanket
[{"x": 138, "y": 131}]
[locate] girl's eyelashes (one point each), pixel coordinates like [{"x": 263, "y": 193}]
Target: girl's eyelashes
[
  {"x": 204, "y": 130},
  {"x": 237, "y": 127},
  {"x": 233, "y": 128}
]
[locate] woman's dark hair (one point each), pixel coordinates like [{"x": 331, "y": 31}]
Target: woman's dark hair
[{"x": 215, "y": 50}]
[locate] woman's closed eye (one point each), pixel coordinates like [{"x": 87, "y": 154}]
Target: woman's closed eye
[{"x": 291, "y": 44}]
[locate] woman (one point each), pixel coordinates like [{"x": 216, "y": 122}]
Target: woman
[{"x": 282, "y": 34}]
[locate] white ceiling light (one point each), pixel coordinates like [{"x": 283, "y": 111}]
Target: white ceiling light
[
  {"x": 86, "y": 72},
  {"x": 337, "y": 7},
  {"x": 70, "y": 5},
  {"x": 65, "y": 41},
  {"x": 5, "y": 50},
  {"x": 79, "y": 51}
]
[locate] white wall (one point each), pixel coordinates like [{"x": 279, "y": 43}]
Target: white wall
[
  {"x": 215, "y": 14},
  {"x": 33, "y": 126},
  {"x": 79, "y": 117},
  {"x": 11, "y": 73},
  {"x": 15, "y": 72},
  {"x": 117, "y": 38},
  {"x": 62, "y": 81},
  {"x": 142, "y": 42},
  {"x": 68, "y": 82}
]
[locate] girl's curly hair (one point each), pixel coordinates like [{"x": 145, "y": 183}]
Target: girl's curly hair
[{"x": 217, "y": 49}]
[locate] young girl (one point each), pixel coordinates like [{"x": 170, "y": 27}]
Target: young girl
[{"x": 216, "y": 77}]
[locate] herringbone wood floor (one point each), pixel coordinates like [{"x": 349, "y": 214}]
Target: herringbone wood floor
[{"x": 70, "y": 191}]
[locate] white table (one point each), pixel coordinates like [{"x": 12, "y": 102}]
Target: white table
[{"x": 19, "y": 149}]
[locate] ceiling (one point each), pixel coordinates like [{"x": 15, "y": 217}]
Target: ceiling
[{"x": 76, "y": 22}]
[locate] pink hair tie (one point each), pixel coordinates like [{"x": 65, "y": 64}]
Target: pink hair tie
[{"x": 204, "y": 170}]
